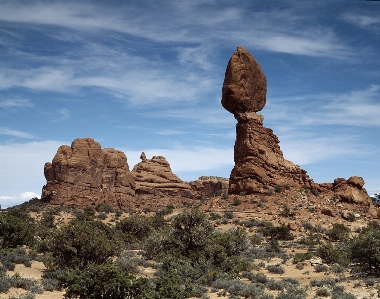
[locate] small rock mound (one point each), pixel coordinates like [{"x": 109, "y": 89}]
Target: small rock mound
[
  {"x": 210, "y": 186},
  {"x": 155, "y": 177},
  {"x": 83, "y": 174}
]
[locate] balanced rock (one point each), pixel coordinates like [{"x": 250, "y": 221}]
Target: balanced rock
[
  {"x": 155, "y": 177},
  {"x": 83, "y": 174},
  {"x": 245, "y": 85},
  {"x": 259, "y": 161}
]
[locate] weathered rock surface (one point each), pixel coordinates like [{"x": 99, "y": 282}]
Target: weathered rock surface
[
  {"x": 351, "y": 190},
  {"x": 210, "y": 186},
  {"x": 83, "y": 174},
  {"x": 245, "y": 85},
  {"x": 259, "y": 161},
  {"x": 155, "y": 177}
]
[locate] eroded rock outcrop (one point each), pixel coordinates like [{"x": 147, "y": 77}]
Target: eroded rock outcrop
[
  {"x": 83, "y": 174},
  {"x": 155, "y": 177},
  {"x": 210, "y": 186},
  {"x": 259, "y": 161}
]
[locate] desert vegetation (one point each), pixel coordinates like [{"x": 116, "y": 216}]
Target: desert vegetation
[{"x": 180, "y": 253}]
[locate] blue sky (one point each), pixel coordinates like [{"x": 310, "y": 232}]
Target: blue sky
[{"x": 147, "y": 76}]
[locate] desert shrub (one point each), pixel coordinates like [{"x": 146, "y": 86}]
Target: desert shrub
[
  {"x": 24, "y": 296},
  {"x": 102, "y": 216},
  {"x": 228, "y": 215},
  {"x": 234, "y": 241},
  {"x": 47, "y": 219},
  {"x": 286, "y": 212},
  {"x": 105, "y": 208},
  {"x": 127, "y": 262},
  {"x": 323, "y": 291},
  {"x": 276, "y": 269},
  {"x": 5, "y": 284},
  {"x": 312, "y": 238},
  {"x": 365, "y": 250},
  {"x": 275, "y": 285},
  {"x": 214, "y": 216},
  {"x": 322, "y": 282},
  {"x": 80, "y": 243},
  {"x": 321, "y": 268},
  {"x": 338, "y": 293},
  {"x": 331, "y": 254},
  {"x": 278, "y": 232},
  {"x": 301, "y": 257},
  {"x": 294, "y": 293},
  {"x": 236, "y": 202},
  {"x": 338, "y": 232},
  {"x": 337, "y": 268},
  {"x": 102, "y": 281},
  {"x": 50, "y": 284},
  {"x": 16, "y": 228},
  {"x": 135, "y": 228},
  {"x": 191, "y": 229},
  {"x": 170, "y": 285},
  {"x": 369, "y": 282}
]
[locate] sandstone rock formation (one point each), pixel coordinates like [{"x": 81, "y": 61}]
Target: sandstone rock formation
[
  {"x": 259, "y": 161},
  {"x": 85, "y": 175},
  {"x": 155, "y": 177},
  {"x": 245, "y": 85},
  {"x": 210, "y": 186}
]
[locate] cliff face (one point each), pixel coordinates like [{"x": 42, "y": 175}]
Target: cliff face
[{"x": 83, "y": 174}]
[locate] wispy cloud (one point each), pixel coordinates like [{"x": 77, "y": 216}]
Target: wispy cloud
[
  {"x": 15, "y": 133},
  {"x": 15, "y": 104},
  {"x": 363, "y": 21},
  {"x": 354, "y": 108}
]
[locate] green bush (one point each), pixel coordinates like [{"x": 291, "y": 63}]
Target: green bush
[
  {"x": 16, "y": 228},
  {"x": 80, "y": 243},
  {"x": 276, "y": 269},
  {"x": 105, "y": 280},
  {"x": 331, "y": 254},
  {"x": 135, "y": 228},
  {"x": 278, "y": 232},
  {"x": 191, "y": 229},
  {"x": 365, "y": 250},
  {"x": 105, "y": 208},
  {"x": 338, "y": 232}
]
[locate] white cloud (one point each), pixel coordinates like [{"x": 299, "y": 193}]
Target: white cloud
[
  {"x": 15, "y": 104},
  {"x": 277, "y": 30},
  {"x": 364, "y": 21},
  {"x": 354, "y": 108},
  {"x": 304, "y": 149},
  {"x": 15, "y": 133}
]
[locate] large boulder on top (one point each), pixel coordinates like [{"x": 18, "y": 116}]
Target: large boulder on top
[
  {"x": 259, "y": 161},
  {"x": 245, "y": 85},
  {"x": 84, "y": 174}
]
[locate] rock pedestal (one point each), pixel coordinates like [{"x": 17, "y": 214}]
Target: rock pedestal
[{"x": 259, "y": 161}]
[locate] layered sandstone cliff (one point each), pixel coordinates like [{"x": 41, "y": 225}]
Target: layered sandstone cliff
[{"x": 84, "y": 174}]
